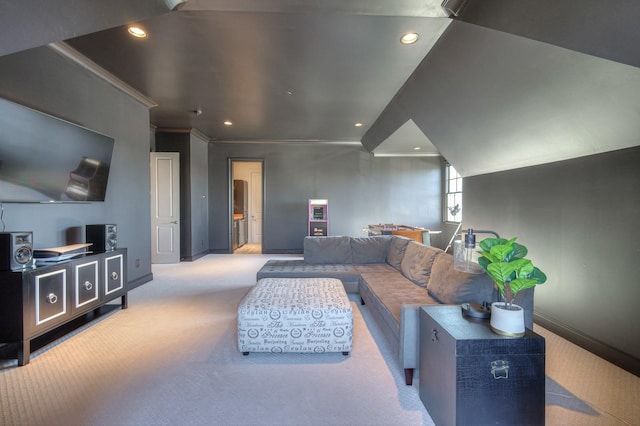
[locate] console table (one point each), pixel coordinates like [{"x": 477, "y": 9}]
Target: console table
[
  {"x": 470, "y": 375},
  {"x": 36, "y": 300}
]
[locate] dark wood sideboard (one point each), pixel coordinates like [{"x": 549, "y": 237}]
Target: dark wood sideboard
[{"x": 34, "y": 301}]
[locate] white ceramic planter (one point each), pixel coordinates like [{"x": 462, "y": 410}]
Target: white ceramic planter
[{"x": 507, "y": 322}]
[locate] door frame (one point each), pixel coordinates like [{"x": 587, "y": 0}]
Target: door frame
[{"x": 230, "y": 161}]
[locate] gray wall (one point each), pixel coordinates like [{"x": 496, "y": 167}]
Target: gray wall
[
  {"x": 42, "y": 79},
  {"x": 361, "y": 189},
  {"x": 199, "y": 196},
  {"x": 578, "y": 219}
]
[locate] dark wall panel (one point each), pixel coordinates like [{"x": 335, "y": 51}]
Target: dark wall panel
[
  {"x": 199, "y": 183},
  {"x": 578, "y": 219},
  {"x": 361, "y": 189}
]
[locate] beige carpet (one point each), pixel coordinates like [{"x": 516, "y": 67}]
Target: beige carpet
[
  {"x": 171, "y": 359},
  {"x": 585, "y": 390}
]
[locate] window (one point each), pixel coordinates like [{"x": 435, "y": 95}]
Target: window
[{"x": 453, "y": 200}]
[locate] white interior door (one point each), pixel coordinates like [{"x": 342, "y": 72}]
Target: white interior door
[
  {"x": 165, "y": 207},
  {"x": 255, "y": 206}
]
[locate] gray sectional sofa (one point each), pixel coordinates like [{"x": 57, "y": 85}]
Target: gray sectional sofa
[{"x": 394, "y": 276}]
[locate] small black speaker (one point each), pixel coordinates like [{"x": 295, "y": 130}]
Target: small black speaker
[
  {"x": 16, "y": 250},
  {"x": 102, "y": 237}
]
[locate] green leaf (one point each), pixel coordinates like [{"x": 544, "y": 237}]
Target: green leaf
[
  {"x": 521, "y": 284},
  {"x": 501, "y": 271},
  {"x": 501, "y": 251},
  {"x": 505, "y": 262},
  {"x": 523, "y": 267},
  {"x": 487, "y": 243},
  {"x": 484, "y": 260},
  {"x": 538, "y": 275},
  {"x": 519, "y": 251}
]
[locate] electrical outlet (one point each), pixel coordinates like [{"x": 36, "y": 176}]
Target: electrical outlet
[{"x": 137, "y": 263}]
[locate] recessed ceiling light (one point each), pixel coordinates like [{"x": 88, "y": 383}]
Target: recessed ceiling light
[
  {"x": 228, "y": 123},
  {"x": 358, "y": 124},
  {"x": 137, "y": 31},
  {"x": 417, "y": 148},
  {"x": 409, "y": 38}
]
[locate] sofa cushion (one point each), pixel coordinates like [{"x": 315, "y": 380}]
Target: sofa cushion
[
  {"x": 417, "y": 262},
  {"x": 393, "y": 291},
  {"x": 327, "y": 250},
  {"x": 370, "y": 249},
  {"x": 396, "y": 250},
  {"x": 453, "y": 287}
]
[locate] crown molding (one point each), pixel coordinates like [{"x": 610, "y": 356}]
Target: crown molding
[
  {"x": 313, "y": 142},
  {"x": 72, "y": 54}
]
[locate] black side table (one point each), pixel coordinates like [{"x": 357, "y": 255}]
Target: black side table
[{"x": 471, "y": 376}]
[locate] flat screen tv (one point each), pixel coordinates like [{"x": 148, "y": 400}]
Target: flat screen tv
[{"x": 45, "y": 159}]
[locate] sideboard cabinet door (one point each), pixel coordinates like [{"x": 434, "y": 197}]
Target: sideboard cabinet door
[
  {"x": 114, "y": 275},
  {"x": 48, "y": 298},
  {"x": 86, "y": 285}
]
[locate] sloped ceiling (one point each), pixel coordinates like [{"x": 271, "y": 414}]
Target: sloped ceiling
[
  {"x": 507, "y": 84},
  {"x": 605, "y": 29},
  {"x": 491, "y": 101},
  {"x": 26, "y": 24},
  {"x": 407, "y": 141}
]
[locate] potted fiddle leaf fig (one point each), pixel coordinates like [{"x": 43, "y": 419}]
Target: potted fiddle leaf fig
[{"x": 505, "y": 262}]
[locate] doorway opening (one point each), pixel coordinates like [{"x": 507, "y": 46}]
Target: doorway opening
[{"x": 246, "y": 193}]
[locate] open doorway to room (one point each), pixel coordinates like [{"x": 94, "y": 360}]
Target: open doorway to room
[{"x": 246, "y": 192}]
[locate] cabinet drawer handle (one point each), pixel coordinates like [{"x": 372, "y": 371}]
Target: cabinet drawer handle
[
  {"x": 88, "y": 285},
  {"x": 52, "y": 298},
  {"x": 114, "y": 276}
]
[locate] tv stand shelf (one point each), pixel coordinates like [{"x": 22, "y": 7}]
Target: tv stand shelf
[{"x": 37, "y": 300}]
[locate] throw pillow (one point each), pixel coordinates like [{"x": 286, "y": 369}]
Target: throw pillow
[
  {"x": 397, "y": 247},
  {"x": 453, "y": 287},
  {"x": 417, "y": 262}
]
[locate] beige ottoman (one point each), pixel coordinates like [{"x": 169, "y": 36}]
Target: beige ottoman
[{"x": 295, "y": 315}]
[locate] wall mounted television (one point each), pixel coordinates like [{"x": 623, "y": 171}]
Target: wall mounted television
[{"x": 45, "y": 159}]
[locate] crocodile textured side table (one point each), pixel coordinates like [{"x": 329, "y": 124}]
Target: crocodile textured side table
[{"x": 470, "y": 375}]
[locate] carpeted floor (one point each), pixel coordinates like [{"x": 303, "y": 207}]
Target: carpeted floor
[{"x": 172, "y": 359}]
